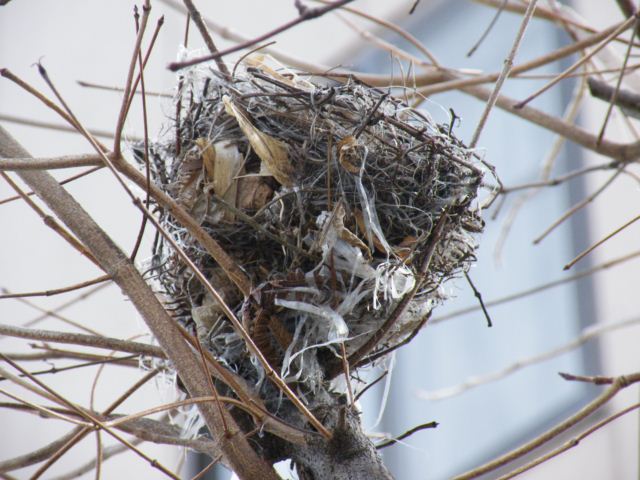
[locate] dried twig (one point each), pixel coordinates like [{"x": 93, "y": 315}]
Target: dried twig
[
  {"x": 406, "y": 434},
  {"x": 618, "y": 384},
  {"x": 573, "y": 442},
  {"x": 586, "y": 335},
  {"x": 540, "y": 288},
  {"x": 600, "y": 242},
  {"x": 508, "y": 64},
  {"x": 197, "y": 19},
  {"x": 304, "y": 15}
]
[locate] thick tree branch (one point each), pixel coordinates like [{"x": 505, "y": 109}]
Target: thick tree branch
[{"x": 235, "y": 447}]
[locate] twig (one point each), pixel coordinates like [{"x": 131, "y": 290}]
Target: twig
[
  {"x": 304, "y": 15},
  {"x": 614, "y": 96},
  {"x": 617, "y": 151},
  {"x": 146, "y": 9},
  {"x": 122, "y": 419},
  {"x": 57, "y": 291},
  {"x": 144, "y": 429},
  {"x": 405, "y": 341},
  {"x": 179, "y": 93},
  {"x": 347, "y": 375},
  {"x": 80, "y": 433},
  {"x": 62, "y": 182},
  {"x": 197, "y": 19},
  {"x": 145, "y": 157},
  {"x": 51, "y": 222},
  {"x": 406, "y": 434},
  {"x": 624, "y": 26},
  {"x": 107, "y": 453},
  {"x": 52, "y": 354},
  {"x": 578, "y": 206},
  {"x": 598, "y": 243},
  {"x": 83, "y": 339},
  {"x": 476, "y": 293},
  {"x": 486, "y": 32},
  {"x": 569, "y": 444},
  {"x": 55, "y": 126},
  {"x": 508, "y": 64},
  {"x": 204, "y": 471},
  {"x": 619, "y": 384},
  {"x": 540, "y": 288},
  {"x": 44, "y": 410},
  {"x": 452, "y": 82},
  {"x": 586, "y": 335},
  {"x": 54, "y": 369},
  {"x": 6, "y": 73},
  {"x": 99, "y": 86},
  {"x": 559, "y": 180},
  {"x": 394, "y": 28},
  {"x": 88, "y": 416},
  {"x": 371, "y": 384},
  {"x": 541, "y": 12},
  {"x": 596, "y": 380}
]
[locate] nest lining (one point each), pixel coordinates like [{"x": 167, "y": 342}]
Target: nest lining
[{"x": 327, "y": 197}]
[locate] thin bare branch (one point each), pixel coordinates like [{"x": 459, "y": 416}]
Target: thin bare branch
[
  {"x": 406, "y": 434},
  {"x": 614, "y": 96},
  {"x": 83, "y": 339},
  {"x": 619, "y": 384},
  {"x": 304, "y": 15},
  {"x": 540, "y": 288},
  {"x": 600, "y": 242},
  {"x": 51, "y": 222},
  {"x": 623, "y": 27},
  {"x": 57, "y": 291},
  {"x": 586, "y": 335},
  {"x": 508, "y": 64},
  {"x": 202, "y": 27},
  {"x": 569, "y": 444},
  {"x": 107, "y": 453},
  {"x": 99, "y": 86},
  {"x": 146, "y": 9}
]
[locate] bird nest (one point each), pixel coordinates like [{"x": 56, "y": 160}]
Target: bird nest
[{"x": 345, "y": 208}]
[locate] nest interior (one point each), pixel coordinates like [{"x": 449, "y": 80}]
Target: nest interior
[{"x": 328, "y": 196}]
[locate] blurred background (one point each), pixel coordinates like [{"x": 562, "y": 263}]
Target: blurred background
[{"x": 443, "y": 375}]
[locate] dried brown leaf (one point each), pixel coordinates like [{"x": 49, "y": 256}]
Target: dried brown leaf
[
  {"x": 349, "y": 155},
  {"x": 253, "y": 193},
  {"x": 272, "y": 152}
]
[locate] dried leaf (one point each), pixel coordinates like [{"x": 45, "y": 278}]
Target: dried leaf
[
  {"x": 208, "y": 156},
  {"x": 228, "y": 164},
  {"x": 349, "y": 155},
  {"x": 258, "y": 61},
  {"x": 403, "y": 250},
  {"x": 253, "y": 193},
  {"x": 271, "y": 151},
  {"x": 335, "y": 226}
]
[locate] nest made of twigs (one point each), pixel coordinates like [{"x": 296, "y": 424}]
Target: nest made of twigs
[{"x": 328, "y": 197}]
